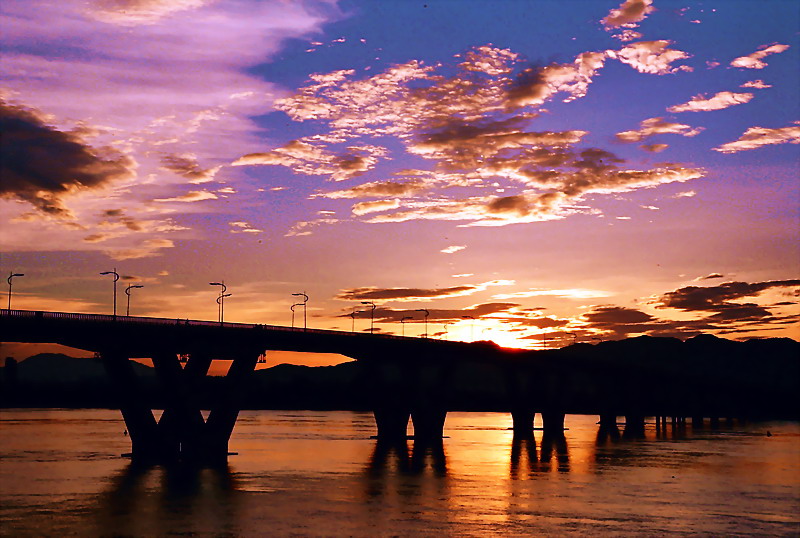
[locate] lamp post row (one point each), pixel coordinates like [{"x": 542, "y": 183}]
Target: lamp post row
[{"x": 221, "y": 305}]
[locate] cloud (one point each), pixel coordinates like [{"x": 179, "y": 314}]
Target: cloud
[
  {"x": 655, "y": 126},
  {"x": 758, "y": 84},
  {"x": 135, "y": 12},
  {"x": 654, "y": 148},
  {"x": 362, "y": 208},
  {"x": 654, "y": 57},
  {"x": 755, "y": 59},
  {"x": 684, "y": 194},
  {"x": 717, "y": 298},
  {"x": 191, "y": 196},
  {"x": 186, "y": 165},
  {"x": 303, "y": 157},
  {"x": 380, "y": 189},
  {"x": 147, "y": 248},
  {"x": 472, "y": 120},
  {"x": 628, "y": 15},
  {"x": 719, "y": 101},
  {"x": 452, "y": 249},
  {"x": 711, "y": 276},
  {"x": 306, "y": 227},
  {"x": 756, "y": 137},
  {"x": 43, "y": 166},
  {"x": 484, "y": 310},
  {"x": 415, "y": 294},
  {"x": 575, "y": 293},
  {"x": 238, "y": 227},
  {"x": 535, "y": 86}
]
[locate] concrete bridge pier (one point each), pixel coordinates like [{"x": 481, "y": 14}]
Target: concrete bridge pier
[
  {"x": 634, "y": 425},
  {"x": 146, "y": 439},
  {"x": 386, "y": 383},
  {"x": 608, "y": 421},
  {"x": 224, "y": 413},
  {"x": 522, "y": 420},
  {"x": 182, "y": 424},
  {"x": 553, "y": 422},
  {"x": 519, "y": 390},
  {"x": 428, "y": 400}
]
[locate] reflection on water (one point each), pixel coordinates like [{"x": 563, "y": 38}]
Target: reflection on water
[
  {"x": 318, "y": 473},
  {"x": 149, "y": 500}
]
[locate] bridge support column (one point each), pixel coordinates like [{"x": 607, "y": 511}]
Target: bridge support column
[
  {"x": 392, "y": 422},
  {"x": 146, "y": 440},
  {"x": 553, "y": 422},
  {"x": 222, "y": 418},
  {"x": 634, "y": 426},
  {"x": 608, "y": 421},
  {"x": 182, "y": 423},
  {"x": 522, "y": 420},
  {"x": 428, "y": 410},
  {"x": 428, "y": 423}
]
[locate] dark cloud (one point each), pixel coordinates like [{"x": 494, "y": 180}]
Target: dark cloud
[
  {"x": 41, "y": 164},
  {"x": 712, "y": 276},
  {"x": 413, "y": 294},
  {"x": 717, "y": 298},
  {"x": 188, "y": 167},
  {"x": 390, "y": 315}
]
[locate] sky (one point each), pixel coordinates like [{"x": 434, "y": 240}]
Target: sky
[{"x": 531, "y": 173}]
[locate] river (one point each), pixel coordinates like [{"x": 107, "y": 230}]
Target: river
[{"x": 319, "y": 474}]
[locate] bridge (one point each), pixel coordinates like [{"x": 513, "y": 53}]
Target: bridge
[{"x": 403, "y": 378}]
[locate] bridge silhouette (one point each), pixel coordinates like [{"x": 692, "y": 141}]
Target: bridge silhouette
[{"x": 404, "y": 378}]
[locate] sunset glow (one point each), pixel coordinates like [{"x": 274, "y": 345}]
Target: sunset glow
[{"x": 531, "y": 173}]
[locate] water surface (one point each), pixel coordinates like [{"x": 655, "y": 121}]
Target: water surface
[{"x": 319, "y": 473}]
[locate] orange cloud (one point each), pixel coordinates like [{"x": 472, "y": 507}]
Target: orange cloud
[
  {"x": 755, "y": 59},
  {"x": 719, "y": 101},
  {"x": 654, "y": 57},
  {"x": 756, "y": 137},
  {"x": 655, "y": 126},
  {"x": 629, "y": 14}
]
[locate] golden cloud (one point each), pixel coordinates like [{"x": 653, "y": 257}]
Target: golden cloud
[
  {"x": 756, "y": 137},
  {"x": 719, "y": 101}
]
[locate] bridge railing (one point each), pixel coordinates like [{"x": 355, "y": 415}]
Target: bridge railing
[{"x": 75, "y": 316}]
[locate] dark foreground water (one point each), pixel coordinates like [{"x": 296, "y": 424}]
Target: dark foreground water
[{"x": 319, "y": 473}]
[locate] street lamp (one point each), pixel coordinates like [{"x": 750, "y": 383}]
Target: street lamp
[
  {"x": 426, "y": 320},
  {"x": 403, "y": 324},
  {"x": 292, "y": 307},
  {"x": 220, "y": 299},
  {"x": 353, "y": 318},
  {"x": 128, "y": 293},
  {"x": 371, "y": 316},
  {"x": 116, "y": 277},
  {"x": 305, "y": 308},
  {"x": 445, "y": 331},
  {"x": 471, "y": 323},
  {"x": 11, "y": 276}
]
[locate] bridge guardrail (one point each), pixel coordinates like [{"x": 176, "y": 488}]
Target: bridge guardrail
[{"x": 187, "y": 322}]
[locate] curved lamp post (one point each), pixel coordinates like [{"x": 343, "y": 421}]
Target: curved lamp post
[
  {"x": 220, "y": 299},
  {"x": 371, "y": 316},
  {"x": 446, "y": 337},
  {"x": 426, "y": 320},
  {"x": 471, "y": 324},
  {"x": 353, "y": 318},
  {"x": 11, "y": 276},
  {"x": 305, "y": 308},
  {"x": 403, "y": 324},
  {"x": 292, "y": 307},
  {"x": 116, "y": 277},
  {"x": 128, "y": 293}
]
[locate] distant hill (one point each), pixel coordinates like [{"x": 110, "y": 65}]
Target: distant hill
[{"x": 757, "y": 377}]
